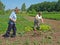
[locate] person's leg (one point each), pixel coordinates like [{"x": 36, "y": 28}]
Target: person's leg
[
  {"x": 14, "y": 30},
  {"x": 35, "y": 26},
  {"x": 8, "y": 30},
  {"x": 38, "y": 25}
]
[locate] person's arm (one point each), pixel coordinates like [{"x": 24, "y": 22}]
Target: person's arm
[
  {"x": 13, "y": 20},
  {"x": 42, "y": 19}
]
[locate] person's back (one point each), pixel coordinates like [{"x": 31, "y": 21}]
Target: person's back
[
  {"x": 13, "y": 16},
  {"x": 38, "y": 17}
]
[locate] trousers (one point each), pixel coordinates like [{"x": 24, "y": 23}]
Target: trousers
[{"x": 11, "y": 26}]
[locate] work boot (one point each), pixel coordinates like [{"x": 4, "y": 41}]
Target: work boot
[
  {"x": 12, "y": 36},
  {"x": 5, "y": 36}
]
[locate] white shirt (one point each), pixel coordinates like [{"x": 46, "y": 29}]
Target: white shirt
[
  {"x": 38, "y": 17},
  {"x": 13, "y": 16}
]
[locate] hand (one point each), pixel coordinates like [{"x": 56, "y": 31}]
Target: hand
[
  {"x": 42, "y": 21},
  {"x": 13, "y": 20}
]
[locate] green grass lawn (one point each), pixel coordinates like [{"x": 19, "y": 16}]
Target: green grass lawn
[{"x": 52, "y": 16}]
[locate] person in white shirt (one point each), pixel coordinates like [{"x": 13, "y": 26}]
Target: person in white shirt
[
  {"x": 37, "y": 20},
  {"x": 11, "y": 24}
]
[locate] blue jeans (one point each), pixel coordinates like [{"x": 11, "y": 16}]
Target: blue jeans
[{"x": 11, "y": 25}]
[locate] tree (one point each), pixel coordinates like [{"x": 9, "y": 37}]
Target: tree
[
  {"x": 58, "y": 6},
  {"x": 44, "y": 6},
  {"x": 23, "y": 8},
  {"x": 2, "y": 6}
]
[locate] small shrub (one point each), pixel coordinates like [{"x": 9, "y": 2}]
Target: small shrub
[
  {"x": 2, "y": 12},
  {"x": 46, "y": 40},
  {"x": 35, "y": 42},
  {"x": 28, "y": 29},
  {"x": 45, "y": 27},
  {"x": 16, "y": 42},
  {"x": 58, "y": 42},
  {"x": 21, "y": 33},
  {"x": 1, "y": 42},
  {"x": 27, "y": 42},
  {"x": 48, "y": 37}
]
